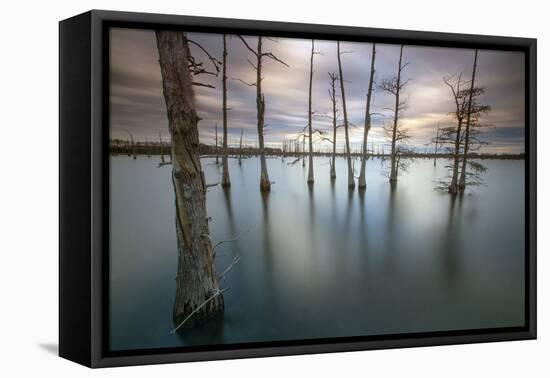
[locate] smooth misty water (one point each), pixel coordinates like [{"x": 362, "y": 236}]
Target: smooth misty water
[{"x": 321, "y": 263}]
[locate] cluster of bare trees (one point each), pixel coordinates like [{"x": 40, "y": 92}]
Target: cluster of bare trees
[
  {"x": 395, "y": 132},
  {"x": 334, "y": 117},
  {"x": 459, "y": 140},
  {"x": 462, "y": 138},
  {"x": 199, "y": 295}
]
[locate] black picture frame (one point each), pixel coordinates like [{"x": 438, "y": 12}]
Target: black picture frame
[{"x": 84, "y": 189}]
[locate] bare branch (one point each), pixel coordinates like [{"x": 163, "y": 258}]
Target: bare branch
[
  {"x": 245, "y": 82},
  {"x": 214, "y": 61},
  {"x": 272, "y": 56},
  {"x": 228, "y": 241},
  {"x": 252, "y": 64},
  {"x": 229, "y": 267},
  {"x": 196, "y": 83},
  {"x": 216, "y": 293},
  {"x": 247, "y": 45}
]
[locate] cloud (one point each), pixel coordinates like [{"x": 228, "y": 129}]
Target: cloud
[{"x": 137, "y": 103}]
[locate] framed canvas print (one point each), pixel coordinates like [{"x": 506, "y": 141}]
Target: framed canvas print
[{"x": 234, "y": 188}]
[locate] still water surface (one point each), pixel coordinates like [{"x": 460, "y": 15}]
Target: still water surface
[{"x": 324, "y": 262}]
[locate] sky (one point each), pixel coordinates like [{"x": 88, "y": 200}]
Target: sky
[{"x": 137, "y": 102}]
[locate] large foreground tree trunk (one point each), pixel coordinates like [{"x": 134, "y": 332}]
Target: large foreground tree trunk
[
  {"x": 226, "y": 182},
  {"x": 462, "y": 181},
  {"x": 310, "y": 176},
  {"x": 196, "y": 281},
  {"x": 351, "y": 180},
  {"x": 362, "y": 176}
]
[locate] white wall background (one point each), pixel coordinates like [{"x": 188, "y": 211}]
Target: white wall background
[{"x": 29, "y": 187}]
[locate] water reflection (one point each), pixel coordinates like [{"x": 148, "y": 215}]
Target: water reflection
[
  {"x": 210, "y": 332},
  {"x": 363, "y": 231},
  {"x": 229, "y": 208},
  {"x": 451, "y": 241},
  {"x": 268, "y": 256},
  {"x": 320, "y": 261},
  {"x": 392, "y": 235},
  {"x": 236, "y": 232}
]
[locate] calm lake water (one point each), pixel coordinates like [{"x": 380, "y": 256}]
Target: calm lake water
[{"x": 322, "y": 262}]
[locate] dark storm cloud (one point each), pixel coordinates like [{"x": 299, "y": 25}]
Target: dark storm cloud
[{"x": 138, "y": 106}]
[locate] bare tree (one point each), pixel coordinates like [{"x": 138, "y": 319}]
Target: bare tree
[
  {"x": 310, "y": 176},
  {"x": 462, "y": 181},
  {"x": 265, "y": 184},
  {"x": 456, "y": 138},
  {"x": 451, "y": 134},
  {"x": 332, "y": 94},
  {"x": 161, "y": 149},
  {"x": 362, "y": 178},
  {"x": 226, "y": 182},
  {"x": 351, "y": 181},
  {"x": 132, "y": 147},
  {"x": 394, "y": 86},
  {"x": 147, "y": 147},
  {"x": 216, "y": 145},
  {"x": 241, "y": 147},
  {"x": 401, "y": 149},
  {"x": 472, "y": 142},
  {"x": 436, "y": 145},
  {"x": 303, "y": 150},
  {"x": 197, "y": 290}
]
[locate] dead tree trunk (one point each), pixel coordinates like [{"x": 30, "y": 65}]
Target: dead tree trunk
[
  {"x": 303, "y": 151},
  {"x": 332, "y": 94},
  {"x": 459, "y": 114},
  {"x": 226, "y": 182},
  {"x": 216, "y": 146},
  {"x": 351, "y": 181},
  {"x": 362, "y": 178},
  {"x": 393, "y": 171},
  {"x": 132, "y": 149},
  {"x": 436, "y": 145},
  {"x": 310, "y": 176},
  {"x": 462, "y": 181},
  {"x": 196, "y": 282},
  {"x": 147, "y": 147},
  {"x": 241, "y": 148},
  {"x": 265, "y": 184},
  {"x": 161, "y": 150}
]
